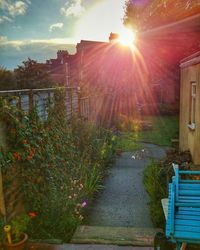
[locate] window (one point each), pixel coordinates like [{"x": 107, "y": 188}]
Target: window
[{"x": 191, "y": 124}]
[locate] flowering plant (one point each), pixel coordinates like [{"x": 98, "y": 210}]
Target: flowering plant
[
  {"x": 13, "y": 230},
  {"x": 61, "y": 165}
]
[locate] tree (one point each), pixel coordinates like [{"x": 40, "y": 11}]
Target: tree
[
  {"x": 147, "y": 14},
  {"x": 7, "y": 79},
  {"x": 32, "y": 75}
]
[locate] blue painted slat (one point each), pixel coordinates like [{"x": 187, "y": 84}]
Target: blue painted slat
[
  {"x": 176, "y": 183},
  {"x": 172, "y": 207},
  {"x": 189, "y": 186},
  {"x": 190, "y": 181},
  {"x": 187, "y": 229},
  {"x": 195, "y": 209},
  {"x": 190, "y": 202},
  {"x": 188, "y": 223},
  {"x": 189, "y": 172},
  {"x": 187, "y": 204},
  {"x": 183, "y": 223},
  {"x": 188, "y": 235},
  {"x": 189, "y": 213},
  {"x": 187, "y": 217},
  {"x": 189, "y": 197},
  {"x": 193, "y": 192}
]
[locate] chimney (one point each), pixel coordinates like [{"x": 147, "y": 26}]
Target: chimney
[
  {"x": 113, "y": 37},
  {"x": 62, "y": 55}
]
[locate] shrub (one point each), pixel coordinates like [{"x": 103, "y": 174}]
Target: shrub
[
  {"x": 1, "y": 228},
  {"x": 157, "y": 175},
  {"x": 61, "y": 164},
  {"x": 155, "y": 184}
]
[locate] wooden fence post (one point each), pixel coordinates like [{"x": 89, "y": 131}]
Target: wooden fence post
[
  {"x": 89, "y": 109},
  {"x": 19, "y": 104},
  {"x": 30, "y": 100},
  {"x": 79, "y": 102},
  {"x": 2, "y": 201},
  {"x": 71, "y": 102}
]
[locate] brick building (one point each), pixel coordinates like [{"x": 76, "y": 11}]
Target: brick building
[
  {"x": 148, "y": 75},
  {"x": 58, "y": 67}
]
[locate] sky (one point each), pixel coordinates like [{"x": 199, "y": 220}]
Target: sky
[{"x": 38, "y": 28}]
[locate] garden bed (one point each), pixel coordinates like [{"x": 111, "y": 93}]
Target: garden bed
[{"x": 61, "y": 163}]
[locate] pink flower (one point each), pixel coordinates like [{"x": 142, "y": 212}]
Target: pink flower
[{"x": 84, "y": 204}]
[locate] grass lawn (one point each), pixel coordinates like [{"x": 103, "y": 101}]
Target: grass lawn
[
  {"x": 164, "y": 128},
  {"x": 127, "y": 142}
]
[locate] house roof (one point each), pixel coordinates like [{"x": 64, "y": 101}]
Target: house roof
[
  {"x": 190, "y": 60},
  {"x": 88, "y": 44}
]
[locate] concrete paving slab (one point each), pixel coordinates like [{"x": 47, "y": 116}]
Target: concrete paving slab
[
  {"x": 115, "y": 235},
  {"x": 83, "y": 247}
]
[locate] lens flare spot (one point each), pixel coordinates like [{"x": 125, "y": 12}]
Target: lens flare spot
[{"x": 127, "y": 37}]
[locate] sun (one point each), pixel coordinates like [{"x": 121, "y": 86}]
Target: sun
[{"x": 127, "y": 37}]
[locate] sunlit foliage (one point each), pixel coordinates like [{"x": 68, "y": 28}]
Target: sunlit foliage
[
  {"x": 145, "y": 14},
  {"x": 7, "y": 79},
  {"x": 31, "y": 75}
]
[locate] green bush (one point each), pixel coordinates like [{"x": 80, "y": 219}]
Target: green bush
[
  {"x": 155, "y": 182},
  {"x": 157, "y": 175},
  {"x": 61, "y": 165},
  {"x": 2, "y": 223}
]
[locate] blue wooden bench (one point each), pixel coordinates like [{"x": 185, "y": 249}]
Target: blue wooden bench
[{"x": 183, "y": 217}]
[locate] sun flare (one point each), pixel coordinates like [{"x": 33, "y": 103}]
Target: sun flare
[
  {"x": 91, "y": 26},
  {"x": 127, "y": 37}
]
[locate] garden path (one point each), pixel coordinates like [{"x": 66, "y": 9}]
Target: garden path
[{"x": 124, "y": 201}]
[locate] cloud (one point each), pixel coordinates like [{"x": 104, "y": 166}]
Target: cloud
[
  {"x": 4, "y": 19},
  {"x": 55, "y": 26},
  {"x": 18, "y": 44},
  {"x": 73, "y": 8},
  {"x": 18, "y": 8},
  {"x": 13, "y": 52},
  {"x": 3, "y": 4},
  {"x": 3, "y": 39},
  {"x": 12, "y": 9}
]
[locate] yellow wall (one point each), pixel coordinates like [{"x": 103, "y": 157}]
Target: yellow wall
[{"x": 190, "y": 139}]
